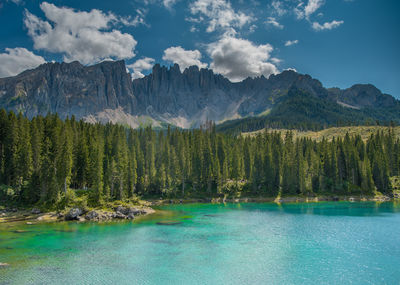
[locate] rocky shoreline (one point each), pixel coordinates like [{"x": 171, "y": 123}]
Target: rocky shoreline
[
  {"x": 74, "y": 214},
  {"x": 121, "y": 212},
  {"x": 293, "y": 199}
]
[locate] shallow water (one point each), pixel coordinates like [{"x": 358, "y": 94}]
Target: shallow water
[{"x": 314, "y": 243}]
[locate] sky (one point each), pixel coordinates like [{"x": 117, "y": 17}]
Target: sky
[{"x": 339, "y": 42}]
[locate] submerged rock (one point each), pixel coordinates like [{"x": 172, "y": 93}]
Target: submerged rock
[
  {"x": 20, "y": 231},
  {"x": 3, "y": 264},
  {"x": 66, "y": 230},
  {"x": 168, "y": 223},
  {"x": 186, "y": 217}
]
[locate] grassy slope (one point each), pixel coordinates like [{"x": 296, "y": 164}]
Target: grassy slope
[{"x": 364, "y": 131}]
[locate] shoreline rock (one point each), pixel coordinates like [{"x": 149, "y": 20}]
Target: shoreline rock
[
  {"x": 36, "y": 211},
  {"x": 119, "y": 213},
  {"x": 73, "y": 214}
]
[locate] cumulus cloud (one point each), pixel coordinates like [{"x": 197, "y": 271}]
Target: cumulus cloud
[
  {"x": 138, "y": 66},
  {"x": 219, "y": 14},
  {"x": 84, "y": 36},
  {"x": 184, "y": 58},
  {"x": 326, "y": 26},
  {"x": 290, "y": 43},
  {"x": 273, "y": 22},
  {"x": 238, "y": 58},
  {"x": 16, "y": 60}
]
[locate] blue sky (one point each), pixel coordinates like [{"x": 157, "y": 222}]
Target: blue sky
[{"x": 340, "y": 42}]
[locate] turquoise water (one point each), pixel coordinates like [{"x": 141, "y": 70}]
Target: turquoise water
[{"x": 315, "y": 243}]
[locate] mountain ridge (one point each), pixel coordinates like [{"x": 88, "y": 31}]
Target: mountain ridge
[{"x": 105, "y": 92}]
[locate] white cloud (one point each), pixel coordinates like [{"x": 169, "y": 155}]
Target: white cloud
[
  {"x": 219, "y": 15},
  {"x": 290, "y": 43},
  {"x": 275, "y": 60},
  {"x": 272, "y": 21},
  {"x": 17, "y": 2},
  {"x": 169, "y": 3},
  {"x": 184, "y": 58},
  {"x": 291, "y": 69},
  {"x": 78, "y": 35},
  {"x": 238, "y": 59},
  {"x": 139, "y": 19},
  {"x": 278, "y": 8},
  {"x": 252, "y": 28},
  {"x": 138, "y": 66},
  {"x": 312, "y": 6},
  {"x": 299, "y": 10},
  {"x": 193, "y": 29},
  {"x": 306, "y": 11},
  {"x": 326, "y": 26},
  {"x": 16, "y": 60}
]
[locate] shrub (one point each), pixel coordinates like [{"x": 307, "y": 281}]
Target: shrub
[
  {"x": 233, "y": 187},
  {"x": 71, "y": 200},
  {"x": 8, "y": 193}
]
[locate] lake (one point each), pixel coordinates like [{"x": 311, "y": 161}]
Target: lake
[{"x": 305, "y": 243}]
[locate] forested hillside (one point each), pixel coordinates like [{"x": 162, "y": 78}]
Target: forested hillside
[
  {"x": 41, "y": 159},
  {"x": 301, "y": 110}
]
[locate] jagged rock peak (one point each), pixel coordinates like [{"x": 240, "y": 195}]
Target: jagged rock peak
[
  {"x": 69, "y": 89},
  {"x": 186, "y": 98},
  {"x": 175, "y": 68}
]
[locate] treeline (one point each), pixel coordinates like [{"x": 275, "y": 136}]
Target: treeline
[{"x": 41, "y": 159}]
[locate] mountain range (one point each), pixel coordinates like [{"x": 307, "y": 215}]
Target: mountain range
[{"x": 105, "y": 92}]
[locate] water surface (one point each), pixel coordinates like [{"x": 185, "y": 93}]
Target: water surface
[{"x": 314, "y": 243}]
